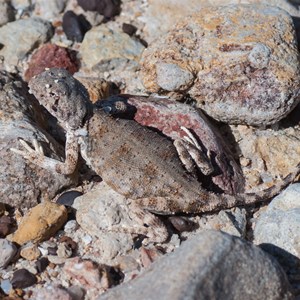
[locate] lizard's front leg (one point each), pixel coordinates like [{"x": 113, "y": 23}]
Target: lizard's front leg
[{"x": 37, "y": 156}]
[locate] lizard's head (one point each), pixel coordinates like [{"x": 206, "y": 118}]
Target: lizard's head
[{"x": 62, "y": 95}]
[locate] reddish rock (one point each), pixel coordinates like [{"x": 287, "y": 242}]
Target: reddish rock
[{"x": 50, "y": 56}]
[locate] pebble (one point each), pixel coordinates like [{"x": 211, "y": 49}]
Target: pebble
[
  {"x": 41, "y": 264},
  {"x": 30, "y": 251},
  {"x": 104, "y": 46},
  {"x": 6, "y": 224},
  {"x": 51, "y": 56},
  {"x": 129, "y": 29},
  {"x": 68, "y": 198},
  {"x": 30, "y": 33},
  {"x": 107, "y": 8},
  {"x": 7, "y": 252},
  {"x": 5, "y": 285},
  {"x": 204, "y": 267},
  {"x": 64, "y": 250},
  {"x": 51, "y": 292},
  {"x": 75, "y": 26},
  {"x": 40, "y": 223},
  {"x": 6, "y": 12},
  {"x": 22, "y": 278},
  {"x": 49, "y": 10},
  {"x": 71, "y": 226},
  {"x": 246, "y": 92}
]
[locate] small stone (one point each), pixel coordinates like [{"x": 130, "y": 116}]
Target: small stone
[
  {"x": 52, "y": 250},
  {"x": 5, "y": 286},
  {"x": 54, "y": 259},
  {"x": 50, "y": 56},
  {"x": 30, "y": 33},
  {"x": 51, "y": 292},
  {"x": 42, "y": 264},
  {"x": 220, "y": 57},
  {"x": 107, "y": 8},
  {"x": 70, "y": 243},
  {"x": 30, "y": 252},
  {"x": 88, "y": 273},
  {"x": 22, "y": 279},
  {"x": 7, "y": 252},
  {"x": 71, "y": 226},
  {"x": 75, "y": 26},
  {"x": 127, "y": 263},
  {"x": 68, "y": 198},
  {"x": 182, "y": 224},
  {"x": 102, "y": 45},
  {"x": 49, "y": 10},
  {"x": 40, "y": 223},
  {"x": 129, "y": 29},
  {"x": 76, "y": 292},
  {"x": 64, "y": 250},
  {"x": 6, "y": 224},
  {"x": 6, "y": 12}
]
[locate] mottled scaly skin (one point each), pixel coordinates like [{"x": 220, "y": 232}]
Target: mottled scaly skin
[{"x": 132, "y": 159}]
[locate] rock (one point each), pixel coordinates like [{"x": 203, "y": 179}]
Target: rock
[
  {"x": 30, "y": 252},
  {"x": 51, "y": 292},
  {"x": 68, "y": 198},
  {"x": 40, "y": 223},
  {"x": 49, "y": 10},
  {"x": 129, "y": 29},
  {"x": 6, "y": 12},
  {"x": 88, "y": 273},
  {"x": 42, "y": 264},
  {"x": 24, "y": 184},
  {"x": 21, "y": 4},
  {"x": 7, "y": 252},
  {"x": 279, "y": 225},
  {"x": 75, "y": 26},
  {"x": 204, "y": 267},
  {"x": 103, "y": 46},
  {"x": 64, "y": 251},
  {"x": 21, "y": 37},
  {"x": 51, "y": 56},
  {"x": 173, "y": 11},
  {"x": 6, "y": 225},
  {"x": 76, "y": 292},
  {"x": 233, "y": 69},
  {"x": 107, "y": 8},
  {"x": 22, "y": 279}
]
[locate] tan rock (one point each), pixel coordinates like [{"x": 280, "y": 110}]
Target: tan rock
[
  {"x": 30, "y": 252},
  {"x": 40, "y": 223}
]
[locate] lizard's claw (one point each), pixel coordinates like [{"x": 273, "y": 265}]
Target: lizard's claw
[{"x": 29, "y": 152}]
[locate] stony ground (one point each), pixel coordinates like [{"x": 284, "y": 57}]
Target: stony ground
[{"x": 54, "y": 242}]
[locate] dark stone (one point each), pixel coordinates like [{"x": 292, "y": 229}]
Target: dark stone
[
  {"x": 107, "y": 8},
  {"x": 75, "y": 26},
  {"x": 22, "y": 278},
  {"x": 42, "y": 264},
  {"x": 182, "y": 224},
  {"x": 70, "y": 243},
  {"x": 52, "y": 250},
  {"x": 5, "y": 226},
  {"x": 68, "y": 198},
  {"x": 129, "y": 29}
]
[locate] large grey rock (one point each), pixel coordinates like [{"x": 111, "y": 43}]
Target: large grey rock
[
  {"x": 212, "y": 265},
  {"x": 240, "y": 63},
  {"x": 279, "y": 225},
  {"x": 21, "y": 37},
  {"x": 23, "y": 184}
]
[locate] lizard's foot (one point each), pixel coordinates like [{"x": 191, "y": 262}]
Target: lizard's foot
[
  {"x": 29, "y": 153},
  {"x": 191, "y": 154}
]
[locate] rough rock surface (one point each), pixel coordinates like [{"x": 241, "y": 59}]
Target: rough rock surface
[
  {"x": 6, "y": 12},
  {"x": 23, "y": 184},
  {"x": 51, "y": 56},
  {"x": 174, "y": 10},
  {"x": 231, "y": 61},
  {"x": 204, "y": 267},
  {"x": 30, "y": 33},
  {"x": 7, "y": 252},
  {"x": 104, "y": 46},
  {"x": 40, "y": 223}
]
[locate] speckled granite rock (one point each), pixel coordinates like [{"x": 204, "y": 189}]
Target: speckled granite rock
[
  {"x": 204, "y": 267},
  {"x": 103, "y": 46},
  {"x": 23, "y": 184},
  {"x": 40, "y": 223},
  {"x": 231, "y": 61},
  {"x": 20, "y": 37},
  {"x": 173, "y": 11},
  {"x": 6, "y": 12}
]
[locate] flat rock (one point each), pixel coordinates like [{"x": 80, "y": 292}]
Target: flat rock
[
  {"x": 173, "y": 11},
  {"x": 7, "y": 252},
  {"x": 104, "y": 46},
  {"x": 40, "y": 223},
  {"x": 23, "y": 184},
  {"x": 29, "y": 34},
  {"x": 204, "y": 267},
  {"x": 221, "y": 57}
]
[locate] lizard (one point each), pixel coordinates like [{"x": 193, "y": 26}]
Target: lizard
[{"x": 133, "y": 160}]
